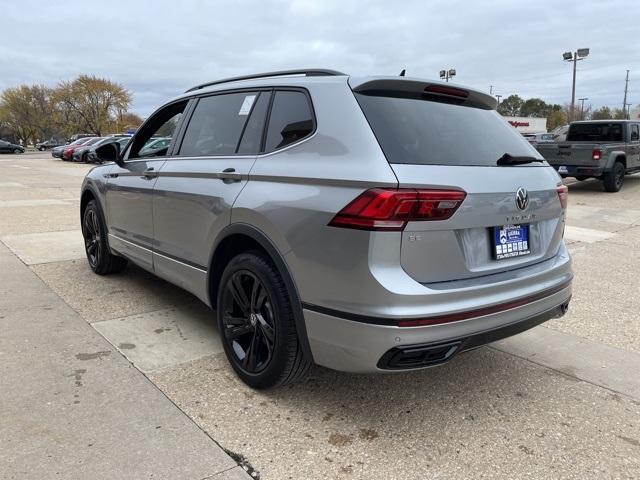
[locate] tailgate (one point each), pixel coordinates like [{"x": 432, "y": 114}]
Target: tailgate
[
  {"x": 464, "y": 245},
  {"x": 576, "y": 154}
]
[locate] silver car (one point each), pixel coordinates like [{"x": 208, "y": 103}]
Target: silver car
[{"x": 368, "y": 224}]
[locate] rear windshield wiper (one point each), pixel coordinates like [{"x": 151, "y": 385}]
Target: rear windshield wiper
[{"x": 508, "y": 159}]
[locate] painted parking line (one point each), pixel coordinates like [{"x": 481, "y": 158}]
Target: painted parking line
[
  {"x": 32, "y": 203},
  {"x": 587, "y": 235},
  {"x": 599, "y": 364},
  {"x": 164, "y": 338},
  {"x": 35, "y": 248}
]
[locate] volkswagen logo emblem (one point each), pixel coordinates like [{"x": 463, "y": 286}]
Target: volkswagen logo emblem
[{"x": 522, "y": 198}]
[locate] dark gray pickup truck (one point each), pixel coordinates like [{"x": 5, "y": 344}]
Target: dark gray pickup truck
[{"x": 603, "y": 149}]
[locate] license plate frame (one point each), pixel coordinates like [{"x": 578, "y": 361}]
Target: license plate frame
[{"x": 511, "y": 241}]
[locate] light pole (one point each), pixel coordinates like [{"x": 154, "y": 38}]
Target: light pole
[
  {"x": 498, "y": 97},
  {"x": 447, "y": 74},
  {"x": 582, "y": 107},
  {"x": 574, "y": 57}
]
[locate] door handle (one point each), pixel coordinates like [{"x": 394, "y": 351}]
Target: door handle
[
  {"x": 229, "y": 175},
  {"x": 150, "y": 173}
]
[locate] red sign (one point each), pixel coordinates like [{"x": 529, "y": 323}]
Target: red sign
[{"x": 518, "y": 124}]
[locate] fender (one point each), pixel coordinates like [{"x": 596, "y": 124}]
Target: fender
[
  {"x": 612, "y": 158},
  {"x": 261, "y": 238}
]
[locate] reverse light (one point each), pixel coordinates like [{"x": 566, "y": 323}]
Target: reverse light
[
  {"x": 563, "y": 195},
  {"x": 390, "y": 209},
  {"x": 596, "y": 154}
]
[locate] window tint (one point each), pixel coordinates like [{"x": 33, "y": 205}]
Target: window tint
[
  {"x": 424, "y": 132},
  {"x": 162, "y": 124},
  {"x": 595, "y": 132},
  {"x": 252, "y": 136},
  {"x": 216, "y": 124},
  {"x": 635, "y": 133},
  {"x": 291, "y": 119}
]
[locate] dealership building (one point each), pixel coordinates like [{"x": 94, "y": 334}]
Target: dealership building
[{"x": 528, "y": 124}]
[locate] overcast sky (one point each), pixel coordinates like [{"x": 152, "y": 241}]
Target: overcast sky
[{"x": 159, "y": 48}]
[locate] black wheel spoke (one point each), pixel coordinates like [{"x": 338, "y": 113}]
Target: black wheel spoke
[
  {"x": 235, "y": 332},
  {"x": 239, "y": 295},
  {"x": 267, "y": 330},
  {"x": 234, "y": 321},
  {"x": 249, "y": 360}
]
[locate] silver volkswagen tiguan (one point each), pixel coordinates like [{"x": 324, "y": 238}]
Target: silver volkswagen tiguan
[{"x": 367, "y": 224}]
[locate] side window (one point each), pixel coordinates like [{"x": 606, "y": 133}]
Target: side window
[
  {"x": 162, "y": 124},
  {"x": 252, "y": 136},
  {"x": 635, "y": 133},
  {"x": 216, "y": 124},
  {"x": 291, "y": 119}
]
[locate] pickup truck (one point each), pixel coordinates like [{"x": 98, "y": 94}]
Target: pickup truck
[{"x": 603, "y": 149}]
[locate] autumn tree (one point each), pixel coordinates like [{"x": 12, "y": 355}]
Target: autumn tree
[
  {"x": 29, "y": 112},
  {"x": 556, "y": 119},
  {"x": 92, "y": 103}
]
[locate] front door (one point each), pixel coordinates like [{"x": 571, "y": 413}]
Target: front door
[{"x": 129, "y": 196}]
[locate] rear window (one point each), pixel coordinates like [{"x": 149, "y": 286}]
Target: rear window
[
  {"x": 216, "y": 124},
  {"x": 595, "y": 132},
  {"x": 425, "y": 132}
]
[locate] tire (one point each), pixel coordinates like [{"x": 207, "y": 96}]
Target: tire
[
  {"x": 84, "y": 159},
  {"x": 17, "y": 151},
  {"x": 582, "y": 178},
  {"x": 99, "y": 256},
  {"x": 42, "y": 149},
  {"x": 614, "y": 178},
  {"x": 256, "y": 323}
]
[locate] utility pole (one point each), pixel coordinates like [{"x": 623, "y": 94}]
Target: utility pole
[
  {"x": 582, "y": 107},
  {"x": 490, "y": 89},
  {"x": 579, "y": 54},
  {"x": 624, "y": 103},
  {"x": 498, "y": 97}
]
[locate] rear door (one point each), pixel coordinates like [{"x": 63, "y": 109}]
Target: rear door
[
  {"x": 130, "y": 188},
  {"x": 511, "y": 215},
  {"x": 633, "y": 149},
  {"x": 199, "y": 183}
]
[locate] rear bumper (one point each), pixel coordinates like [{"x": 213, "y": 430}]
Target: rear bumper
[
  {"x": 356, "y": 346},
  {"x": 579, "y": 170}
]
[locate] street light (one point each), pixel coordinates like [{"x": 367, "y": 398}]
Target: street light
[
  {"x": 447, "y": 74},
  {"x": 578, "y": 55}
]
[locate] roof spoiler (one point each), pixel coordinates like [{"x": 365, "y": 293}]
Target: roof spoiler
[{"x": 414, "y": 88}]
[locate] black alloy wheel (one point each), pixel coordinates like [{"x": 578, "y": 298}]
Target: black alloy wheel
[
  {"x": 248, "y": 321},
  {"x": 92, "y": 237}
]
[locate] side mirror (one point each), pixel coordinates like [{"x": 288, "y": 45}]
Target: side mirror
[{"x": 109, "y": 152}]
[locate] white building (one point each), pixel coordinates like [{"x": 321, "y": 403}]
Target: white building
[{"x": 528, "y": 124}]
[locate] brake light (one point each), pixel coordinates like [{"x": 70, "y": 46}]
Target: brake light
[
  {"x": 444, "y": 90},
  {"x": 390, "y": 209},
  {"x": 563, "y": 195},
  {"x": 596, "y": 154}
]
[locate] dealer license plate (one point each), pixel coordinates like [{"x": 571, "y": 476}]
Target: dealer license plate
[{"x": 511, "y": 241}]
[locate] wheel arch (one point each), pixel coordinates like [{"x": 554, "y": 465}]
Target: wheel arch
[{"x": 239, "y": 237}]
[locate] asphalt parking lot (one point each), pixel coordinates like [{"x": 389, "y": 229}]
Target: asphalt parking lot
[{"x": 560, "y": 401}]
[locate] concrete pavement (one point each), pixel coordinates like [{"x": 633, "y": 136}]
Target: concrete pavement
[{"x": 560, "y": 401}]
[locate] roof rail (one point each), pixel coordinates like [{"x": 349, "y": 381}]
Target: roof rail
[{"x": 313, "y": 72}]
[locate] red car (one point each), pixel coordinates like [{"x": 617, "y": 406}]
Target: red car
[{"x": 67, "y": 153}]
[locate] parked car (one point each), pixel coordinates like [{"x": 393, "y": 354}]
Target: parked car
[
  {"x": 78, "y": 136},
  {"x": 56, "y": 152},
  {"x": 560, "y": 133},
  {"x": 535, "y": 138},
  {"x": 8, "y": 147},
  {"x": 49, "y": 144},
  {"x": 89, "y": 154},
  {"x": 67, "y": 153},
  {"x": 603, "y": 149},
  {"x": 337, "y": 220},
  {"x": 154, "y": 146}
]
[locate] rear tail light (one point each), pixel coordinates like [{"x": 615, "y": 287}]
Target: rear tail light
[
  {"x": 596, "y": 154},
  {"x": 563, "y": 195},
  {"x": 390, "y": 209}
]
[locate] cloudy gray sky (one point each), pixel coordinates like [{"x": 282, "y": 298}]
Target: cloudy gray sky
[{"x": 159, "y": 48}]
